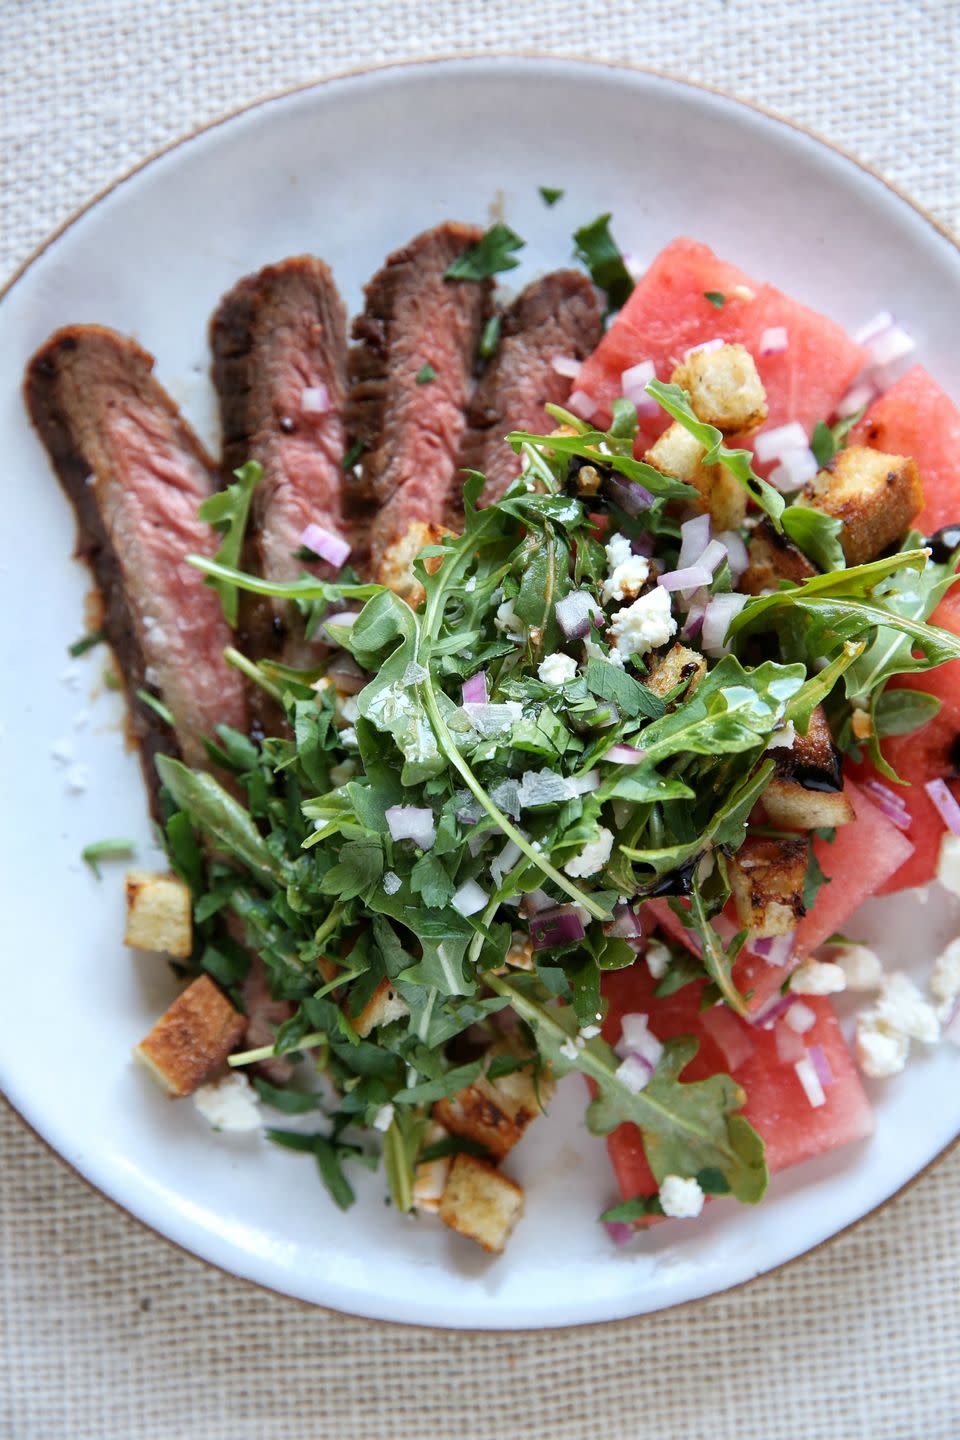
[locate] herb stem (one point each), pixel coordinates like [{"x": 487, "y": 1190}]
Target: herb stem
[
  {"x": 398, "y": 1169},
  {"x": 329, "y": 925},
  {"x": 269, "y": 1052},
  {"x": 240, "y": 662}
]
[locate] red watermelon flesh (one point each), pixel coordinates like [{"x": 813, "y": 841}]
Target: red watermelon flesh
[
  {"x": 667, "y": 314},
  {"x": 916, "y": 418},
  {"x": 776, "y": 1104}
]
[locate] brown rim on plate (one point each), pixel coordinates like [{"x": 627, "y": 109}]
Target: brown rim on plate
[{"x": 413, "y": 61}]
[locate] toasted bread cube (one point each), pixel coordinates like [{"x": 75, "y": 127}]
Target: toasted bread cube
[
  {"x": 679, "y": 666},
  {"x": 678, "y": 453},
  {"x": 873, "y": 494},
  {"x": 766, "y": 877},
  {"x": 430, "y": 1176},
  {"x": 396, "y": 566},
  {"x": 383, "y": 1006},
  {"x": 191, "y": 1038},
  {"x": 480, "y": 1203},
  {"x": 724, "y": 388},
  {"x": 159, "y": 913},
  {"x": 495, "y": 1113},
  {"x": 806, "y": 791},
  {"x": 773, "y": 558}
]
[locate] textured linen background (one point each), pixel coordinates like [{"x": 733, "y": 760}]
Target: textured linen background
[{"x": 106, "y": 1332}]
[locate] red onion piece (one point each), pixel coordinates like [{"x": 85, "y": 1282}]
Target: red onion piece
[
  {"x": 469, "y": 899},
  {"x": 716, "y": 622},
  {"x": 891, "y": 805},
  {"x": 764, "y": 1019},
  {"x": 475, "y": 689},
  {"x": 549, "y": 929},
  {"x": 796, "y": 468},
  {"x": 624, "y": 754},
  {"x": 619, "y": 1231},
  {"x": 790, "y": 1046},
  {"x": 821, "y": 1064},
  {"x": 857, "y": 397},
  {"x": 943, "y": 799},
  {"x": 692, "y": 577},
  {"x": 582, "y": 404},
  {"x": 412, "y": 822},
  {"x": 889, "y": 346},
  {"x": 694, "y": 539},
  {"x": 574, "y": 613},
  {"x": 642, "y": 545},
  {"x": 774, "y": 340},
  {"x": 584, "y": 784},
  {"x": 328, "y": 546},
  {"x": 346, "y": 675},
  {"x": 775, "y": 949},
  {"x": 634, "y": 383},
  {"x": 737, "y": 556},
  {"x": 874, "y": 326},
  {"x": 706, "y": 347},
  {"x": 315, "y": 400},
  {"x": 810, "y": 1081},
  {"x": 772, "y": 444},
  {"x": 631, "y": 497},
  {"x": 566, "y": 365},
  {"x": 729, "y": 1034},
  {"x": 626, "y": 924}
]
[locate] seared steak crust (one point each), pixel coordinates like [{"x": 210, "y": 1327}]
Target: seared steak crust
[
  {"x": 412, "y": 432},
  {"x": 135, "y": 474},
  {"x": 556, "y": 315}
]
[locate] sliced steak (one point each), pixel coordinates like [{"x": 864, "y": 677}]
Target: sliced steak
[
  {"x": 412, "y": 432},
  {"x": 278, "y": 336},
  {"x": 135, "y": 474},
  {"x": 557, "y": 315}
]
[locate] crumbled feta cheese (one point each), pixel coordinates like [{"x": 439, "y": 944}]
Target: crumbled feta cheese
[
  {"x": 507, "y": 620},
  {"x": 348, "y": 736},
  {"x": 383, "y": 1118},
  {"x": 618, "y": 550},
  {"x": 658, "y": 959},
  {"x": 347, "y": 709},
  {"x": 948, "y": 867},
  {"x": 681, "y": 1199},
  {"x": 589, "y": 1032},
  {"x": 557, "y": 669},
  {"x": 901, "y": 1007},
  {"x": 861, "y": 966},
  {"x": 945, "y": 980},
  {"x": 391, "y": 882},
  {"x": 742, "y": 292},
  {"x": 230, "y": 1104},
  {"x": 880, "y": 1052},
  {"x": 593, "y": 652},
  {"x": 645, "y": 624},
  {"x": 800, "y": 1018},
  {"x": 634, "y": 1074},
  {"x": 592, "y": 857},
  {"x": 627, "y": 579},
  {"x": 783, "y": 738},
  {"x": 569, "y": 1049},
  {"x": 818, "y": 977},
  {"x": 492, "y": 719}
]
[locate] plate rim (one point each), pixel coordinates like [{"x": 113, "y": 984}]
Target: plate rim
[{"x": 477, "y": 57}]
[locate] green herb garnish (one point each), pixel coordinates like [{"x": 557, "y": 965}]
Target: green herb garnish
[
  {"x": 716, "y": 297},
  {"x": 86, "y": 642},
  {"x": 549, "y": 196},
  {"x": 596, "y": 248},
  {"x": 228, "y": 511},
  {"x": 491, "y": 255},
  {"x": 490, "y": 338},
  {"x": 106, "y": 850},
  {"x": 425, "y": 374}
]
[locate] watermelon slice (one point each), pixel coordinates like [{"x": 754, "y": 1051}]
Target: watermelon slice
[
  {"x": 667, "y": 313},
  {"x": 915, "y": 417},
  {"x": 858, "y": 863},
  {"x": 776, "y": 1104}
]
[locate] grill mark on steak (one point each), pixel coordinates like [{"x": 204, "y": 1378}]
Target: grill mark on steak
[
  {"x": 275, "y": 334},
  {"x": 135, "y": 474},
  {"x": 556, "y": 315},
  {"x": 411, "y": 433}
]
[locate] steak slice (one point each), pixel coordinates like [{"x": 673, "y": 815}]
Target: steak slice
[
  {"x": 135, "y": 474},
  {"x": 556, "y": 315},
  {"x": 274, "y": 336},
  {"x": 411, "y": 432}
]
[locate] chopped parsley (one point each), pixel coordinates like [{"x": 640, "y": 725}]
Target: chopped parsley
[
  {"x": 86, "y": 642},
  {"x": 425, "y": 374},
  {"x": 490, "y": 339},
  {"x": 596, "y": 248},
  {"x": 549, "y": 196},
  {"x": 716, "y": 297},
  {"x": 491, "y": 255},
  {"x": 352, "y": 454}
]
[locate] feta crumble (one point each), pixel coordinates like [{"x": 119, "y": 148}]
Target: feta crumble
[
  {"x": 594, "y": 652},
  {"x": 589, "y": 1032},
  {"x": 628, "y": 572},
  {"x": 681, "y": 1199},
  {"x": 783, "y": 739},
  {"x": 902, "y": 1007},
  {"x": 617, "y": 550},
  {"x": 383, "y": 1118},
  {"x": 861, "y": 966},
  {"x": 818, "y": 977},
  {"x": 880, "y": 1052},
  {"x": 230, "y": 1104},
  {"x": 557, "y": 669},
  {"x": 658, "y": 959},
  {"x": 592, "y": 857},
  {"x": 569, "y": 1049},
  {"x": 945, "y": 980},
  {"x": 643, "y": 625},
  {"x": 948, "y": 866}
]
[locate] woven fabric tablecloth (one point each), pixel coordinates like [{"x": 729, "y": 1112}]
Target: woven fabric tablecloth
[{"x": 107, "y": 1333}]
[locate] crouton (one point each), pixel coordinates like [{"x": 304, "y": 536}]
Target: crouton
[
  {"x": 396, "y": 567},
  {"x": 159, "y": 913},
  {"x": 873, "y": 494},
  {"x": 766, "y": 877},
  {"x": 495, "y": 1113},
  {"x": 773, "y": 558},
  {"x": 724, "y": 388},
  {"x": 430, "y": 1176},
  {"x": 679, "y": 666},
  {"x": 191, "y": 1038},
  {"x": 677, "y": 453},
  {"x": 806, "y": 791},
  {"x": 480, "y": 1203},
  {"x": 383, "y": 1006}
]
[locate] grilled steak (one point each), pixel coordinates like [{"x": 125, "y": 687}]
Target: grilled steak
[
  {"x": 135, "y": 474},
  {"x": 411, "y": 432},
  {"x": 279, "y": 366},
  {"x": 557, "y": 315}
]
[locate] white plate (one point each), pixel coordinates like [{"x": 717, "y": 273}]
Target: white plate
[{"x": 351, "y": 169}]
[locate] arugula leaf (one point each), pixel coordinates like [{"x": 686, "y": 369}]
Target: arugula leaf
[
  {"x": 429, "y": 1090},
  {"x": 609, "y": 682},
  {"x": 491, "y": 255},
  {"x": 228, "y": 511},
  {"x": 352, "y": 454},
  {"x": 549, "y": 195},
  {"x": 828, "y": 440},
  {"x": 718, "y": 959},
  {"x": 286, "y": 1100},
  {"x": 596, "y": 248},
  {"x": 900, "y": 712},
  {"x": 430, "y": 880},
  {"x": 816, "y": 534},
  {"x": 329, "y": 1157},
  {"x": 215, "y": 810},
  {"x": 425, "y": 374},
  {"x": 105, "y": 850},
  {"x": 814, "y": 879}
]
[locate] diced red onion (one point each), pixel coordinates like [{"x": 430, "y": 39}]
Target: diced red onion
[
  {"x": 328, "y": 546},
  {"x": 574, "y": 613},
  {"x": 619, "y": 1231},
  {"x": 642, "y": 545},
  {"x": 891, "y": 804},
  {"x": 632, "y": 497},
  {"x": 634, "y": 382},
  {"x": 635, "y": 1072},
  {"x": 724, "y": 927},
  {"x": 857, "y": 397},
  {"x": 698, "y": 603},
  {"x": 729, "y": 1034},
  {"x": 800, "y": 1017},
  {"x": 624, "y": 755},
  {"x": 774, "y": 340},
  {"x": 775, "y": 949},
  {"x": 636, "y": 1039},
  {"x": 549, "y": 929},
  {"x": 737, "y": 556},
  {"x": 536, "y": 900},
  {"x": 315, "y": 400},
  {"x": 343, "y": 618},
  {"x": 505, "y": 861},
  {"x": 692, "y": 577},
  {"x": 874, "y": 326},
  {"x": 412, "y": 822},
  {"x": 626, "y": 924},
  {"x": 765, "y": 1018},
  {"x": 584, "y": 784},
  {"x": 889, "y": 346},
  {"x": 475, "y": 689},
  {"x": 566, "y": 365},
  {"x": 810, "y": 1081},
  {"x": 790, "y": 1046},
  {"x": 469, "y": 899},
  {"x": 795, "y": 469},
  {"x": 346, "y": 675},
  {"x": 774, "y": 443},
  {"x": 706, "y": 347},
  {"x": 821, "y": 1064},
  {"x": 694, "y": 539},
  {"x": 716, "y": 622},
  {"x": 582, "y": 404},
  {"x": 943, "y": 799}
]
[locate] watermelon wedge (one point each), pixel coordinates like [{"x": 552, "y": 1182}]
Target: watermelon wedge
[
  {"x": 667, "y": 313},
  {"x": 776, "y": 1104},
  {"x": 915, "y": 417}
]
